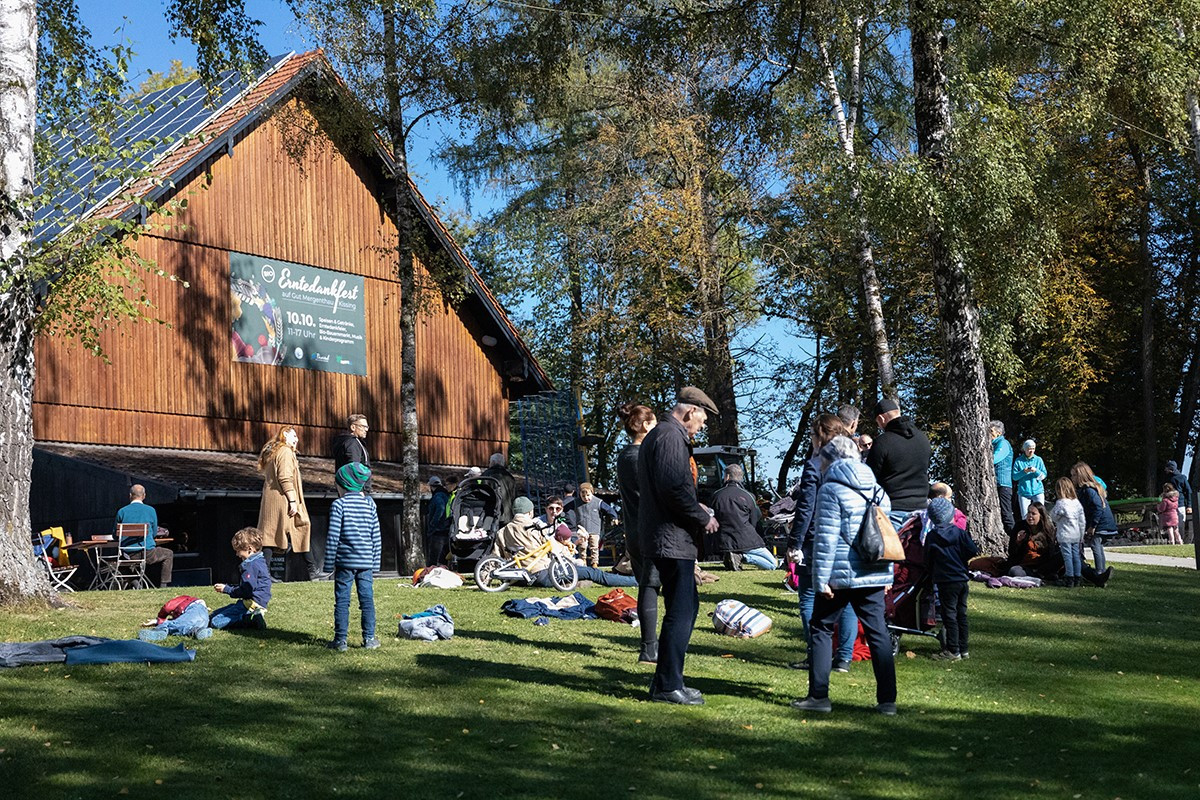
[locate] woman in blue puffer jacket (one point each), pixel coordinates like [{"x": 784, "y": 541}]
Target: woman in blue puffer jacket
[{"x": 839, "y": 577}]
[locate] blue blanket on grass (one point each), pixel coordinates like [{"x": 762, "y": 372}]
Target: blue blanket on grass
[{"x": 574, "y": 607}]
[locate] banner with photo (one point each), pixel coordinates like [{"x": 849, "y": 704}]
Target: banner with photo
[{"x": 292, "y": 315}]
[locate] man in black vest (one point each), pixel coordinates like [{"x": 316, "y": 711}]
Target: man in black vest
[
  {"x": 348, "y": 448},
  {"x": 900, "y": 460},
  {"x": 672, "y": 520}
]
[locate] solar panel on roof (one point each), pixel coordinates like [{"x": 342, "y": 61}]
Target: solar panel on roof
[{"x": 153, "y": 125}]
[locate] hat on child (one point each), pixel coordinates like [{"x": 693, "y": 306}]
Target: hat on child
[
  {"x": 941, "y": 511},
  {"x": 522, "y": 505},
  {"x": 353, "y": 476}
]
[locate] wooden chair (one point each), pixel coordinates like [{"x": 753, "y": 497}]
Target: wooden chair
[
  {"x": 128, "y": 567},
  {"x": 59, "y": 574}
]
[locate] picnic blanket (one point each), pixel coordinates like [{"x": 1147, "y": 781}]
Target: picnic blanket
[
  {"x": 574, "y": 607},
  {"x": 128, "y": 651},
  {"x": 994, "y": 582},
  {"x": 429, "y": 625}
]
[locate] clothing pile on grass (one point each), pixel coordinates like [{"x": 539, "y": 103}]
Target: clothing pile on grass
[
  {"x": 429, "y": 625},
  {"x": 73, "y": 650},
  {"x": 437, "y": 577},
  {"x": 542, "y": 609}
]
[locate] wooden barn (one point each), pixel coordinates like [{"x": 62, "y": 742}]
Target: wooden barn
[{"x": 290, "y": 316}]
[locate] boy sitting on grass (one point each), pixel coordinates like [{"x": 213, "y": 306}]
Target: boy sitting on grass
[
  {"x": 253, "y": 593},
  {"x": 352, "y": 550}
]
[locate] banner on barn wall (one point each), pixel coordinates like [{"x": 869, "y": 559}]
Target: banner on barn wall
[{"x": 292, "y": 315}]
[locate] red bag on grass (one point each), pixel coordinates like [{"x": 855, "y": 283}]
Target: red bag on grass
[{"x": 617, "y": 606}]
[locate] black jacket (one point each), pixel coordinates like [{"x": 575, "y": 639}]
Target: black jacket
[
  {"x": 670, "y": 518},
  {"x": 738, "y": 513},
  {"x": 805, "y": 495},
  {"x": 948, "y": 548},
  {"x": 627, "y": 485},
  {"x": 900, "y": 460},
  {"x": 349, "y": 449}
]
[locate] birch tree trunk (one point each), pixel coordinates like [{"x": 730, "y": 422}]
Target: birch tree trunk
[
  {"x": 411, "y": 553},
  {"x": 966, "y": 388},
  {"x": 20, "y": 577},
  {"x": 864, "y": 255}
]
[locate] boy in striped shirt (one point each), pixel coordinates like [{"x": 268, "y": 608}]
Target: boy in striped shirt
[{"x": 352, "y": 554}]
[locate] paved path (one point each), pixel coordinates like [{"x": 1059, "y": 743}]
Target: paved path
[{"x": 1144, "y": 558}]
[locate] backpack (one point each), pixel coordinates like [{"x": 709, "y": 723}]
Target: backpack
[
  {"x": 617, "y": 607},
  {"x": 735, "y": 618},
  {"x": 876, "y": 540}
]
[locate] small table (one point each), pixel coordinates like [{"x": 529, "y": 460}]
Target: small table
[{"x": 92, "y": 547}]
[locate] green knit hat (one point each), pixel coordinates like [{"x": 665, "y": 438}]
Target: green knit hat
[{"x": 353, "y": 476}]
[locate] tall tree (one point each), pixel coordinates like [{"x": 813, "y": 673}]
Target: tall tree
[{"x": 52, "y": 74}]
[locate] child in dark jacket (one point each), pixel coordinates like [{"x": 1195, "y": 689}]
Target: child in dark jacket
[
  {"x": 352, "y": 550},
  {"x": 948, "y": 548},
  {"x": 253, "y": 593}
]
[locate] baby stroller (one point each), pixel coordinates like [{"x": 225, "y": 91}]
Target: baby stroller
[
  {"x": 475, "y": 519},
  {"x": 908, "y": 602}
]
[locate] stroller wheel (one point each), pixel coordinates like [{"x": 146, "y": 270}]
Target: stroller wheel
[
  {"x": 563, "y": 574},
  {"x": 484, "y": 571},
  {"x": 895, "y": 643}
]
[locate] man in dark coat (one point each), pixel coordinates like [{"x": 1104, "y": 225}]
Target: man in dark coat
[
  {"x": 348, "y": 448},
  {"x": 739, "y": 517},
  {"x": 672, "y": 520},
  {"x": 900, "y": 460},
  {"x": 437, "y": 523},
  {"x": 1180, "y": 482}
]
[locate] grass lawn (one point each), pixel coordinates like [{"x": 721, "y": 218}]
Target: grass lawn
[
  {"x": 1082, "y": 693},
  {"x": 1175, "y": 550}
]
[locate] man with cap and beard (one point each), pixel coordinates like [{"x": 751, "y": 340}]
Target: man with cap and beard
[
  {"x": 672, "y": 521},
  {"x": 900, "y": 460}
]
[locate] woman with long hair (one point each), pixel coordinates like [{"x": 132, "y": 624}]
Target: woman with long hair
[
  {"x": 282, "y": 514},
  {"x": 1033, "y": 546},
  {"x": 1098, "y": 520},
  {"x": 638, "y": 422},
  {"x": 824, "y": 429}
]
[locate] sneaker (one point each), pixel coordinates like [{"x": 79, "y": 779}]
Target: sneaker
[
  {"x": 799, "y": 664},
  {"x": 946, "y": 655},
  {"x": 204, "y": 633},
  {"x": 152, "y": 635},
  {"x": 818, "y": 704},
  {"x": 887, "y": 709},
  {"x": 964, "y": 655},
  {"x": 841, "y": 666},
  {"x": 371, "y": 644},
  {"x": 339, "y": 645}
]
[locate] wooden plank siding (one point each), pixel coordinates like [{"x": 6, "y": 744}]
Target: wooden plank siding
[{"x": 179, "y": 387}]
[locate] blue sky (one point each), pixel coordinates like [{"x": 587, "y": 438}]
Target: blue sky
[{"x": 142, "y": 24}]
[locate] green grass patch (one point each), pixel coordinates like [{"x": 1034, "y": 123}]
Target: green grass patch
[
  {"x": 1173, "y": 550},
  {"x": 1085, "y": 692}
]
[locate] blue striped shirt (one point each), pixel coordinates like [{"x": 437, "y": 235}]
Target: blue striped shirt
[{"x": 353, "y": 541}]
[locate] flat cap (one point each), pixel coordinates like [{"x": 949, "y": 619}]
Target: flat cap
[
  {"x": 695, "y": 397},
  {"x": 885, "y": 406}
]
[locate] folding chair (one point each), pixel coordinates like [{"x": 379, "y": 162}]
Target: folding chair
[
  {"x": 127, "y": 567},
  {"x": 58, "y": 573}
]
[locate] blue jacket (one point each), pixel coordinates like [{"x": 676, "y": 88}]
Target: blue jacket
[
  {"x": 948, "y": 548},
  {"x": 1096, "y": 512},
  {"x": 353, "y": 541},
  {"x": 1180, "y": 482},
  {"x": 1029, "y": 484},
  {"x": 1002, "y": 458},
  {"x": 256, "y": 581},
  {"x": 437, "y": 520},
  {"x": 839, "y": 514},
  {"x": 137, "y": 513}
]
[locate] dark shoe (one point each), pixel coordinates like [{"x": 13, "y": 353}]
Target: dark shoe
[
  {"x": 887, "y": 709},
  {"x": 946, "y": 655},
  {"x": 371, "y": 644},
  {"x": 648, "y": 654},
  {"x": 1102, "y": 577},
  {"x": 690, "y": 692},
  {"x": 799, "y": 664},
  {"x": 339, "y": 645},
  {"x": 964, "y": 655},
  {"x": 841, "y": 666},
  {"x": 818, "y": 704},
  {"x": 680, "y": 697}
]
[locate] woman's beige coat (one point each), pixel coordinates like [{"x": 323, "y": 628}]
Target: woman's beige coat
[{"x": 282, "y": 483}]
